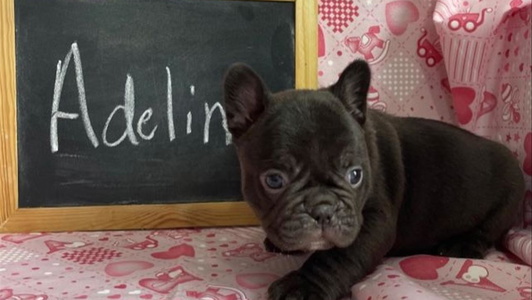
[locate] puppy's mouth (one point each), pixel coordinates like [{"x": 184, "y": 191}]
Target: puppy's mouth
[
  {"x": 323, "y": 241},
  {"x": 304, "y": 234},
  {"x": 322, "y": 244}
]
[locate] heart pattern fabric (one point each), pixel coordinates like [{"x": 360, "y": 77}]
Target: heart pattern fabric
[
  {"x": 462, "y": 62},
  {"x": 229, "y": 263}
]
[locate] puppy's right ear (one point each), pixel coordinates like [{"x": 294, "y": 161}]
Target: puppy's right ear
[{"x": 245, "y": 98}]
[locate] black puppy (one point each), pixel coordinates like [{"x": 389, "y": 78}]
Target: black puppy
[{"x": 322, "y": 172}]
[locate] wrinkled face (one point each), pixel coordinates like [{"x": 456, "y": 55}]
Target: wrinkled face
[{"x": 305, "y": 171}]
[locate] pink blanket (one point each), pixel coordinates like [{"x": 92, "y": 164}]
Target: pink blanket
[
  {"x": 222, "y": 264},
  {"x": 463, "y": 62}
]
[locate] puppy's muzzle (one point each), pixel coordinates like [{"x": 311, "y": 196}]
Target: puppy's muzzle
[{"x": 323, "y": 214}]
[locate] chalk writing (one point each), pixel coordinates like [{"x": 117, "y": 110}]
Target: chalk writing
[
  {"x": 58, "y": 87},
  {"x": 169, "y": 103},
  {"x": 208, "y": 115},
  {"x": 189, "y": 123},
  {"x": 129, "y": 112},
  {"x": 127, "y": 109}
]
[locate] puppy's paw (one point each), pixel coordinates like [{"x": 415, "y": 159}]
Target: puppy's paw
[{"x": 295, "y": 287}]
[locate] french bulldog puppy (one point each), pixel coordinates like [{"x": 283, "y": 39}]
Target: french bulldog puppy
[{"x": 324, "y": 173}]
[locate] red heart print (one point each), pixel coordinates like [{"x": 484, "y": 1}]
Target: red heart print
[
  {"x": 175, "y": 252},
  {"x": 399, "y": 14},
  {"x": 516, "y": 3},
  {"x": 120, "y": 286},
  {"x": 462, "y": 98},
  {"x": 423, "y": 267},
  {"x": 488, "y": 104},
  {"x": 147, "y": 296},
  {"x": 114, "y": 296}
]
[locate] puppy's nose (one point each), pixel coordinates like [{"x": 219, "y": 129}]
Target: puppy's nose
[{"x": 322, "y": 213}]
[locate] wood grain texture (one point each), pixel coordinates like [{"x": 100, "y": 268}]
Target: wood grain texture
[
  {"x": 13, "y": 219},
  {"x": 130, "y": 217},
  {"x": 8, "y": 131},
  {"x": 306, "y": 44}
]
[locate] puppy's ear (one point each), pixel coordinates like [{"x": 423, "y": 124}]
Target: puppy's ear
[
  {"x": 245, "y": 98},
  {"x": 352, "y": 89}
]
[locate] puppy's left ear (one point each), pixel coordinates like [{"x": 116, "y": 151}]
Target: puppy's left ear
[
  {"x": 352, "y": 89},
  {"x": 245, "y": 98}
]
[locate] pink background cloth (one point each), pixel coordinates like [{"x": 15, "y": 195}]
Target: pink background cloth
[
  {"x": 223, "y": 264},
  {"x": 462, "y": 62}
]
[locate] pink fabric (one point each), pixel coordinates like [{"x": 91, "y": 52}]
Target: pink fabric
[
  {"x": 437, "y": 278},
  {"x": 223, "y": 264},
  {"x": 463, "y": 62}
]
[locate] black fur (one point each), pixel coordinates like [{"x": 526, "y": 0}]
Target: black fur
[{"x": 427, "y": 187}]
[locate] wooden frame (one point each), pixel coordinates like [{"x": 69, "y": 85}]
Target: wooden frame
[{"x": 15, "y": 219}]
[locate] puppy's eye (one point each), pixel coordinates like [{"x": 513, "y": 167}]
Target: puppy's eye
[
  {"x": 354, "y": 176},
  {"x": 274, "y": 181}
]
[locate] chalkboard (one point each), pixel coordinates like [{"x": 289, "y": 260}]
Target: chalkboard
[
  {"x": 148, "y": 118},
  {"x": 118, "y": 103}
]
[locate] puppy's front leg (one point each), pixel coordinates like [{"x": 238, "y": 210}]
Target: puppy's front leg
[{"x": 329, "y": 275}]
